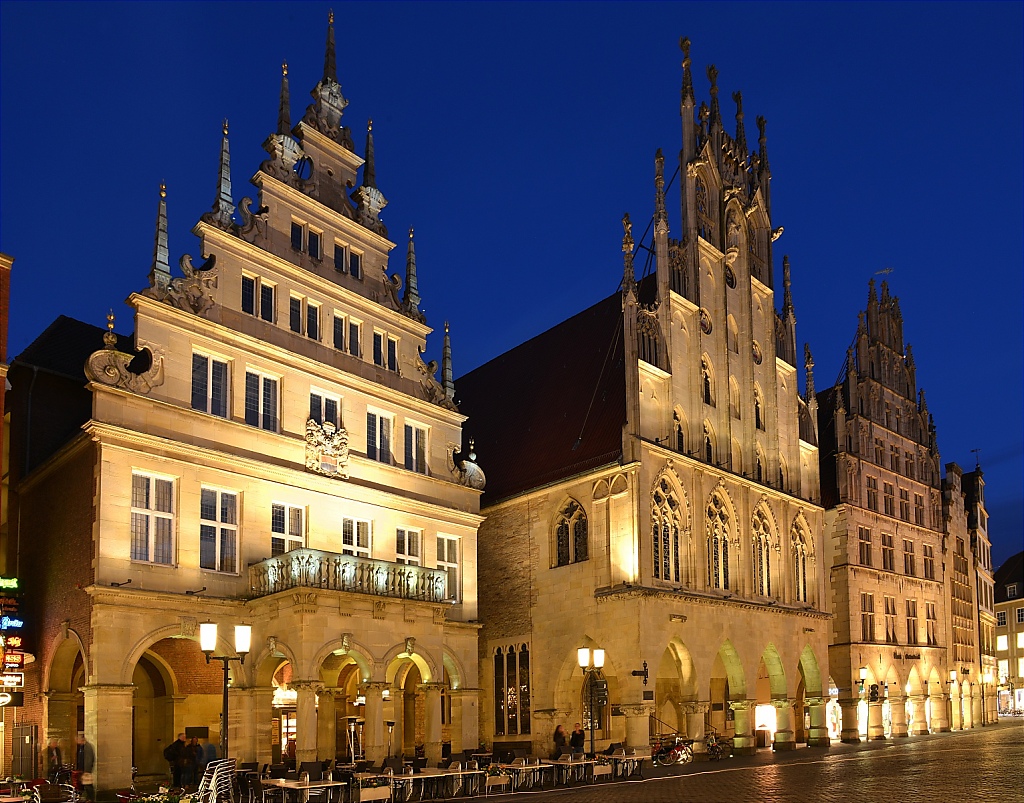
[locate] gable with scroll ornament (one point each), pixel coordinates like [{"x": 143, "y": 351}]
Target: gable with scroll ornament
[
  {"x": 327, "y": 449},
  {"x": 433, "y": 391},
  {"x": 138, "y": 373},
  {"x": 192, "y": 292},
  {"x": 466, "y": 472}
]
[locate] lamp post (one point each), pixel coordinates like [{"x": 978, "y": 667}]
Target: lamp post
[
  {"x": 391, "y": 727},
  {"x": 208, "y": 643},
  {"x": 589, "y": 662}
]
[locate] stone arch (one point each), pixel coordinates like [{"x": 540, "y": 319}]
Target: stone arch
[
  {"x": 395, "y": 657},
  {"x": 760, "y": 411},
  {"x": 733, "y": 668},
  {"x": 348, "y": 647},
  {"x": 721, "y": 533},
  {"x": 264, "y": 666},
  {"x": 915, "y": 684},
  {"x": 733, "y": 334},
  {"x": 619, "y": 485},
  {"x": 764, "y": 541},
  {"x": 776, "y": 672},
  {"x": 569, "y": 677},
  {"x": 59, "y": 670},
  {"x": 675, "y": 684},
  {"x": 708, "y": 388},
  {"x": 569, "y": 529},
  {"x": 238, "y": 672},
  {"x": 680, "y": 435},
  {"x": 810, "y": 671}
]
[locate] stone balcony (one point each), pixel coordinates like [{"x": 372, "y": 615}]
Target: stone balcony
[{"x": 312, "y": 568}]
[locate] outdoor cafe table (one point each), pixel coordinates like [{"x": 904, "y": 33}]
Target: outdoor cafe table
[
  {"x": 521, "y": 773},
  {"x": 296, "y": 787},
  {"x": 628, "y": 765},
  {"x": 443, "y": 781},
  {"x": 565, "y": 766}
]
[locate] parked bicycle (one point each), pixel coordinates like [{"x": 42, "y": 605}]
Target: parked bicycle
[
  {"x": 717, "y": 747},
  {"x": 671, "y": 749}
]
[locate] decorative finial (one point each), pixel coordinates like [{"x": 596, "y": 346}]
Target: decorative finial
[
  {"x": 224, "y": 126},
  {"x": 446, "y": 327},
  {"x": 741, "y": 131},
  {"x": 369, "y": 125},
  {"x": 284, "y": 111},
  {"x": 163, "y": 190},
  {"x": 330, "y": 17},
  {"x": 472, "y": 452},
  {"x": 684, "y": 45},
  {"x": 660, "y": 213},
  {"x": 410, "y": 232},
  {"x": 223, "y": 206},
  {"x": 284, "y": 68},
  {"x": 716, "y": 115},
  {"x": 446, "y": 366},
  {"x": 109, "y": 338}
]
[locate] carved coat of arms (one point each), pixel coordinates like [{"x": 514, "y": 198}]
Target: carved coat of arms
[{"x": 327, "y": 449}]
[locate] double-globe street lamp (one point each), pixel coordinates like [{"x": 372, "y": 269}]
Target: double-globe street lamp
[
  {"x": 590, "y": 662},
  {"x": 208, "y": 643}
]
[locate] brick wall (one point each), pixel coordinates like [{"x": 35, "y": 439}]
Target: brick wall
[{"x": 188, "y": 663}]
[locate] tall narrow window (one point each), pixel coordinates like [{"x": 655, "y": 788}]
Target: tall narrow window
[
  {"x": 248, "y": 295},
  {"x": 864, "y": 537},
  {"x": 218, "y": 530},
  {"x": 392, "y": 354},
  {"x": 286, "y": 528},
  {"x": 312, "y": 321},
  {"x": 931, "y": 624},
  {"x": 867, "y": 617},
  {"x": 512, "y": 690},
  {"x": 909, "y": 566},
  {"x": 888, "y": 553},
  {"x": 718, "y": 543},
  {"x": 378, "y": 437},
  {"x": 267, "y": 302},
  {"x": 260, "y": 401},
  {"x": 209, "y": 385},
  {"x": 800, "y": 564},
  {"x": 407, "y": 546},
  {"x": 355, "y": 537},
  {"x": 152, "y": 519},
  {"x": 340, "y": 258},
  {"x": 889, "y": 498},
  {"x": 378, "y": 349},
  {"x": 707, "y": 383},
  {"x": 872, "y": 483},
  {"x": 353, "y": 338},
  {"x": 339, "y": 332},
  {"x": 295, "y": 314},
  {"x": 761, "y": 557},
  {"x": 911, "y": 621},
  {"x": 448, "y": 561},
  {"x": 904, "y": 504},
  {"x": 918, "y": 509},
  {"x": 890, "y": 619},
  {"x": 298, "y": 236},
  {"x": 758, "y": 410},
  {"x": 355, "y": 265},
  {"x": 929, "y": 562},
  {"x": 571, "y": 536},
  {"x": 416, "y": 448},
  {"x": 315, "y": 239}
]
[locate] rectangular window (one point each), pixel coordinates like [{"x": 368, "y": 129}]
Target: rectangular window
[
  {"x": 218, "y": 530},
  {"x": 323, "y": 407},
  {"x": 255, "y": 291},
  {"x": 385, "y": 351},
  {"x": 890, "y": 619},
  {"x": 911, "y": 621},
  {"x": 894, "y": 458},
  {"x": 416, "y": 448},
  {"x": 339, "y": 332},
  {"x": 867, "y": 617},
  {"x": 1004, "y": 666},
  {"x": 448, "y": 561},
  {"x": 340, "y": 258},
  {"x": 865, "y": 546},
  {"x": 378, "y": 349},
  {"x": 260, "y": 401},
  {"x": 248, "y": 295},
  {"x": 286, "y": 528},
  {"x": 1020, "y": 641},
  {"x": 355, "y": 537},
  {"x": 355, "y": 265},
  {"x": 904, "y": 505},
  {"x": 931, "y": 623},
  {"x": 1001, "y": 619},
  {"x": 1020, "y": 616},
  {"x": 152, "y": 519},
  {"x": 929, "y": 562},
  {"x": 909, "y": 462},
  {"x": 312, "y": 321},
  {"x": 1002, "y": 643},
  {"x": 888, "y": 553},
  {"x": 209, "y": 385},
  {"x": 909, "y": 566},
  {"x": 872, "y": 493},
  {"x": 918, "y": 509},
  {"x": 353, "y": 338},
  {"x": 295, "y": 314},
  {"x": 267, "y": 302},
  {"x": 879, "y": 452},
  {"x": 889, "y": 498},
  {"x": 407, "y": 547},
  {"x": 298, "y": 235},
  {"x": 392, "y": 354},
  {"x": 378, "y": 437},
  {"x": 314, "y": 240},
  {"x": 1011, "y": 590}
]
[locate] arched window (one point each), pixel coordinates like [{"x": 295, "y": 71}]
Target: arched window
[
  {"x": 571, "y": 534},
  {"x": 705, "y": 227},
  {"x": 758, "y": 467},
  {"x": 680, "y": 433},
  {"x": 665, "y": 518},
  {"x": 707, "y": 381},
  {"x": 594, "y": 719},
  {"x": 718, "y": 542},
  {"x": 709, "y": 445},
  {"x": 761, "y": 557},
  {"x": 758, "y": 410},
  {"x": 800, "y": 564}
]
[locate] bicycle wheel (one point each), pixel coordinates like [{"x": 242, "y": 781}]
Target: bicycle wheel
[{"x": 685, "y": 755}]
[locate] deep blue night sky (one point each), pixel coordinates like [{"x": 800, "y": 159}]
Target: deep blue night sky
[{"x": 513, "y": 136}]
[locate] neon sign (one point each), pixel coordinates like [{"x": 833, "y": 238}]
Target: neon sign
[
  {"x": 9, "y": 582},
  {"x": 8, "y": 622}
]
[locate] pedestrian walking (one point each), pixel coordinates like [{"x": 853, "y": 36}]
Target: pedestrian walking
[
  {"x": 174, "y": 754},
  {"x": 559, "y": 739},
  {"x": 85, "y": 765}
]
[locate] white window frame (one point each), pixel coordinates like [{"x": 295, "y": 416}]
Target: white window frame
[
  {"x": 386, "y": 339},
  {"x": 151, "y": 516},
  {"x": 208, "y": 402},
  {"x": 350, "y": 529},
  {"x": 446, "y": 564},
  {"x": 375, "y": 448},
  {"x": 354, "y": 325},
  {"x": 412, "y": 459},
  {"x": 259, "y": 283},
  {"x": 311, "y": 232},
  {"x": 220, "y": 529},
  {"x": 1000, "y": 618},
  {"x": 316, "y": 308},
  {"x": 324, "y": 397},
  {"x": 1020, "y": 616},
  {"x": 335, "y": 343},
  {"x": 261, "y": 415},
  {"x": 290, "y": 540},
  {"x": 408, "y": 546}
]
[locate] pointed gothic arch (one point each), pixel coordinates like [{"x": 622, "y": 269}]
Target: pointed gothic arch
[
  {"x": 763, "y": 543},
  {"x": 571, "y": 533},
  {"x": 707, "y": 379},
  {"x": 719, "y": 525},
  {"x": 670, "y": 525},
  {"x": 709, "y": 447}
]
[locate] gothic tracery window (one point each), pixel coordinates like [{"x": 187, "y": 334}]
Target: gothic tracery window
[
  {"x": 717, "y": 542},
  {"x": 799, "y": 563},
  {"x": 761, "y": 556},
  {"x": 665, "y": 517},
  {"x": 707, "y": 382},
  {"x": 571, "y": 538},
  {"x": 704, "y": 226}
]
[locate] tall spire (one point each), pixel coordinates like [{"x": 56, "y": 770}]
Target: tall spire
[
  {"x": 741, "y": 132},
  {"x": 370, "y": 200},
  {"x": 160, "y": 271},
  {"x": 628, "y": 274},
  {"x": 716, "y": 113},
  {"x": 809, "y": 368},
  {"x": 223, "y": 206},
  {"x": 330, "y": 61},
  {"x": 411, "y": 298},
  {"x": 369, "y": 169},
  {"x": 762, "y": 142},
  {"x": 660, "y": 214},
  {"x": 687, "y": 91},
  {"x": 787, "y": 297},
  {"x": 284, "y": 111},
  {"x": 446, "y": 366}
]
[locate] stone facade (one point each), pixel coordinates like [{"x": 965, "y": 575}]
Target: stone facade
[
  {"x": 655, "y": 490},
  {"x": 1009, "y": 609},
  {"x": 267, "y": 448}
]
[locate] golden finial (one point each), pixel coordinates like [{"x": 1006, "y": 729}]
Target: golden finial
[
  {"x": 109, "y": 338},
  {"x": 330, "y": 17},
  {"x": 284, "y": 69},
  {"x": 369, "y": 125},
  {"x": 410, "y": 232},
  {"x": 225, "y": 126},
  {"x": 110, "y": 320},
  {"x": 163, "y": 194},
  {"x": 446, "y": 327}
]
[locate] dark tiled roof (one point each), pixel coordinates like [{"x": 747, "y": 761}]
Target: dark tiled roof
[
  {"x": 552, "y": 407},
  {"x": 65, "y": 344},
  {"x": 1012, "y": 571}
]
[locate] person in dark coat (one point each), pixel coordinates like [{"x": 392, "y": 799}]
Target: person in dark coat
[
  {"x": 53, "y": 761},
  {"x": 559, "y": 738},
  {"x": 85, "y": 764},
  {"x": 577, "y": 739},
  {"x": 175, "y": 754}
]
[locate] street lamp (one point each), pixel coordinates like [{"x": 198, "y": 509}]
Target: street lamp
[
  {"x": 208, "y": 643},
  {"x": 863, "y": 677},
  {"x": 391, "y": 727},
  {"x": 589, "y": 662}
]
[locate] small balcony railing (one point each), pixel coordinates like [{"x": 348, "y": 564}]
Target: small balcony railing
[{"x": 312, "y": 568}]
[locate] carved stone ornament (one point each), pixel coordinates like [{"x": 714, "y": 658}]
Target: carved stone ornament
[
  {"x": 115, "y": 368},
  {"x": 285, "y": 154},
  {"x": 755, "y": 349},
  {"x": 327, "y": 449},
  {"x": 369, "y": 203},
  {"x": 466, "y": 472},
  {"x": 254, "y": 223},
  {"x": 410, "y": 645},
  {"x": 188, "y": 626},
  {"x": 433, "y": 391},
  {"x": 705, "y": 321},
  {"x": 380, "y": 610},
  {"x": 325, "y": 114},
  {"x": 192, "y": 292}
]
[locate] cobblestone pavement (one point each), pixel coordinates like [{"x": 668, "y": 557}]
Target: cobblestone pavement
[{"x": 982, "y": 764}]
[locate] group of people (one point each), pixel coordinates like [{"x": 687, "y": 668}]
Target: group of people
[
  {"x": 577, "y": 739},
  {"x": 84, "y": 766},
  {"x": 188, "y": 759}
]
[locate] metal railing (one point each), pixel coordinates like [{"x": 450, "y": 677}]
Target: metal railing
[{"x": 312, "y": 568}]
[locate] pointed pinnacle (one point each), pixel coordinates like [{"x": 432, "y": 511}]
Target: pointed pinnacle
[
  {"x": 284, "y": 113},
  {"x": 330, "y": 63},
  {"x": 369, "y": 169},
  {"x": 160, "y": 270},
  {"x": 687, "y": 91}
]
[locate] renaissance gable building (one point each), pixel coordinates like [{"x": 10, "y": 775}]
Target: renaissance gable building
[
  {"x": 654, "y": 488},
  {"x": 266, "y": 448}
]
